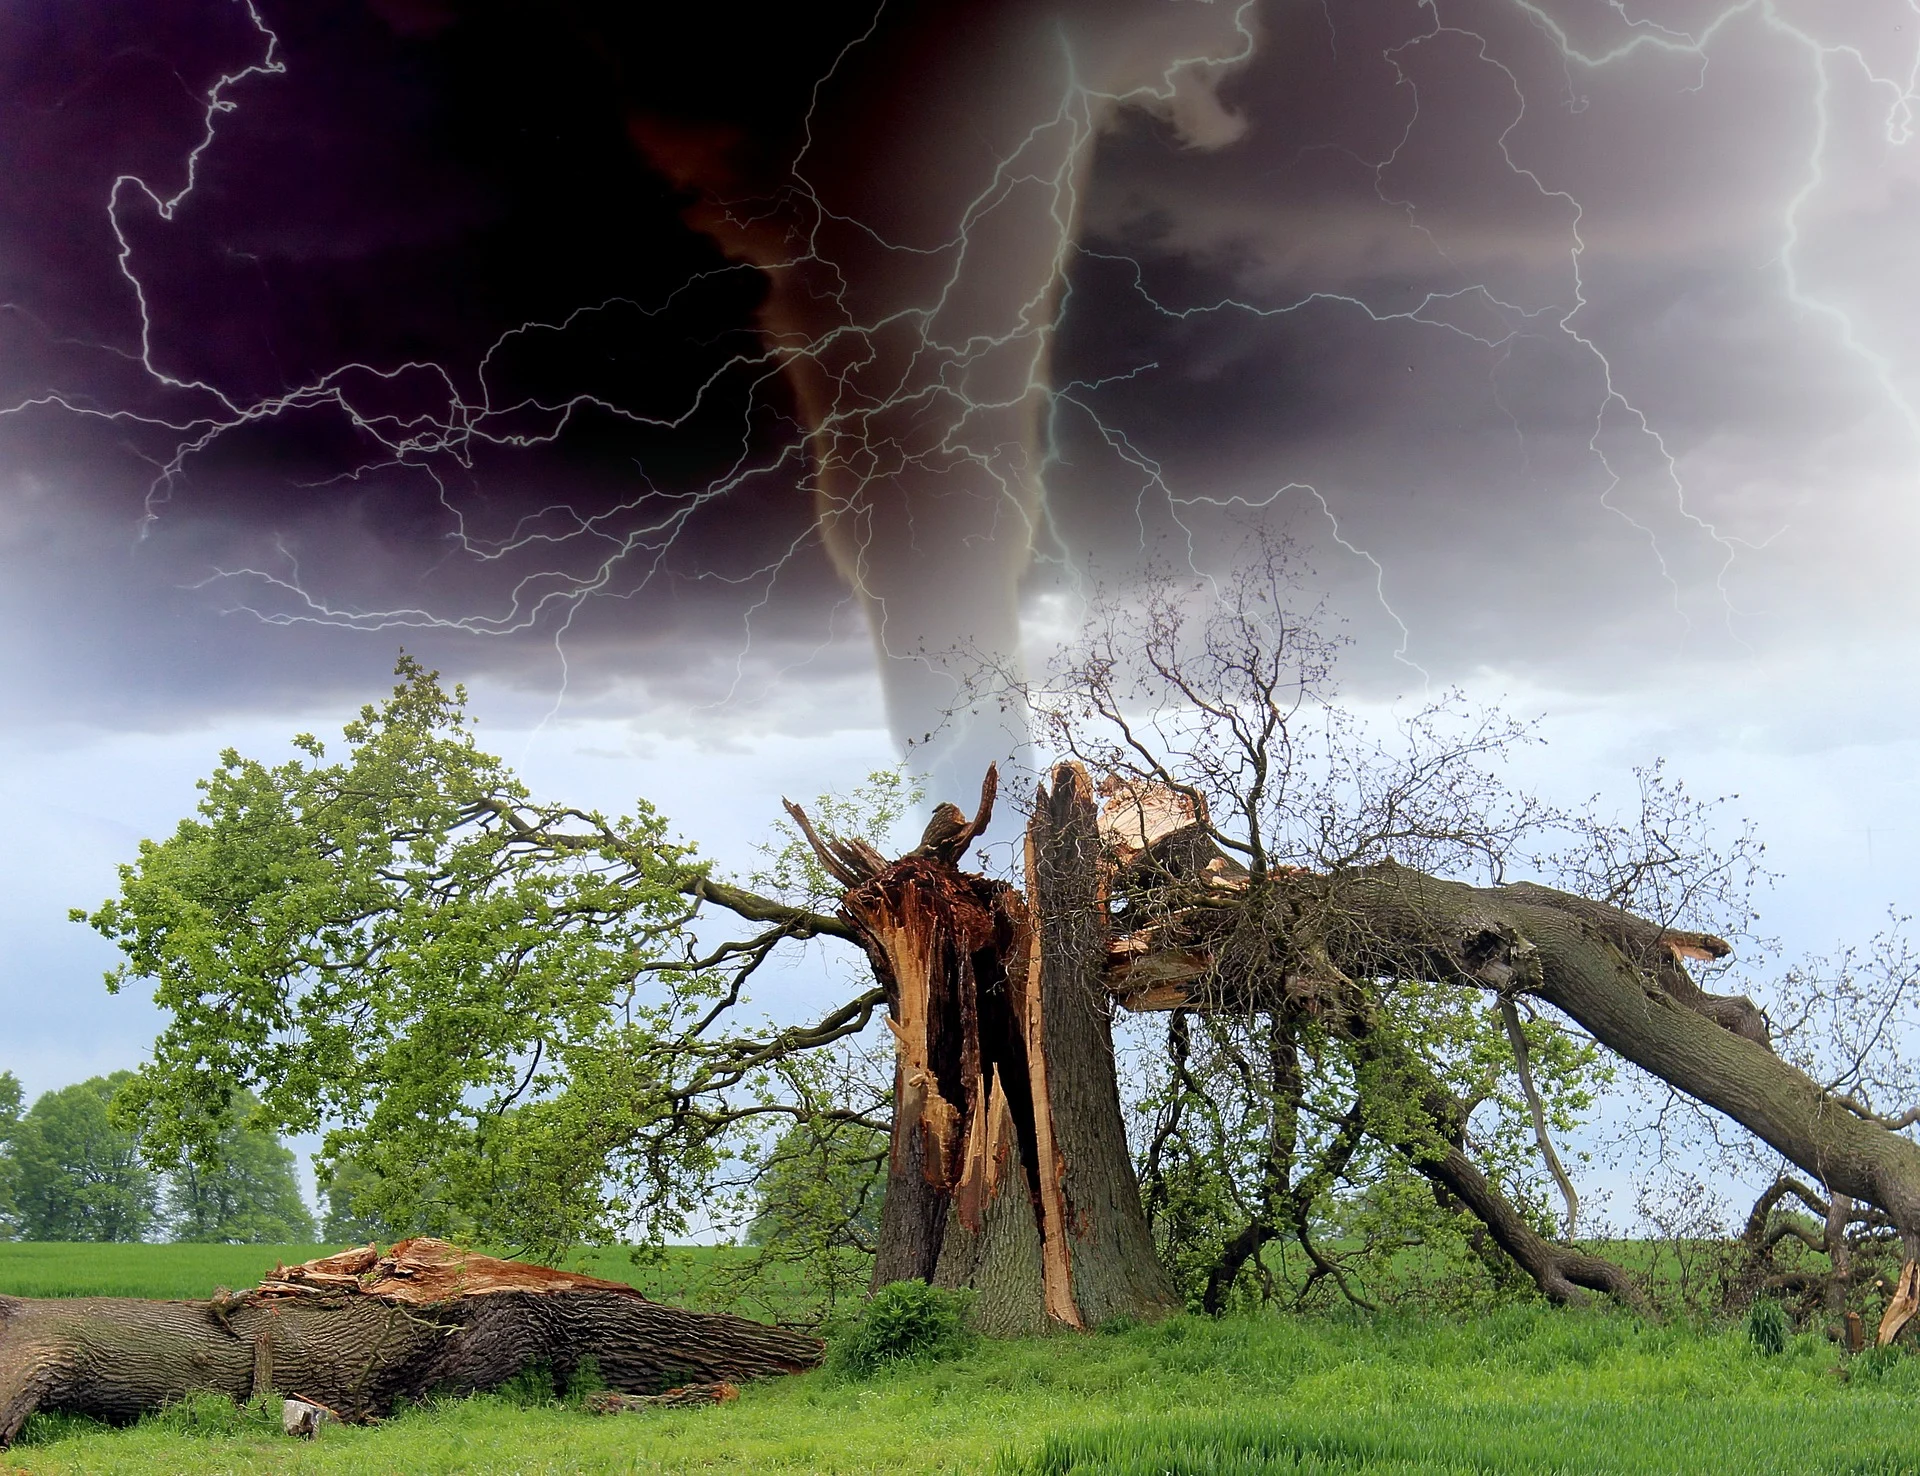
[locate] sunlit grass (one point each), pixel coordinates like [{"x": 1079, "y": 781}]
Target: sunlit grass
[
  {"x": 690, "y": 1275},
  {"x": 1523, "y": 1390}
]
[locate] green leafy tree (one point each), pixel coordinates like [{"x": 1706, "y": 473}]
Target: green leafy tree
[
  {"x": 345, "y": 1222},
  {"x": 10, "y": 1100},
  {"x": 246, "y": 1194},
  {"x": 80, "y": 1175},
  {"x": 494, "y": 1007},
  {"x": 823, "y": 1185},
  {"x": 354, "y": 1213}
]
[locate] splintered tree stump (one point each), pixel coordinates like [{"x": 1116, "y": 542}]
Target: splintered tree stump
[
  {"x": 360, "y": 1331},
  {"x": 1009, "y": 1171}
]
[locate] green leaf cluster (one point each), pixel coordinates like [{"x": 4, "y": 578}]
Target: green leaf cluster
[
  {"x": 493, "y": 1008},
  {"x": 822, "y": 1186},
  {"x": 246, "y": 1194},
  {"x": 906, "y": 1322},
  {"x": 76, "y": 1174}
]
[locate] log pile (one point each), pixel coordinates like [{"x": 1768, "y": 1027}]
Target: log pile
[{"x": 358, "y": 1332}]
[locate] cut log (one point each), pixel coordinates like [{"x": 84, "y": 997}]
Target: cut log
[{"x": 358, "y": 1332}]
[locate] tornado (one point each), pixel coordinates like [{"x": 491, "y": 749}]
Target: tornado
[{"x": 917, "y": 243}]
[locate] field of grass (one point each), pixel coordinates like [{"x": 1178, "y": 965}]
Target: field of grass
[
  {"x": 1523, "y": 1390},
  {"x": 51, "y": 1269},
  {"x": 708, "y": 1277}
]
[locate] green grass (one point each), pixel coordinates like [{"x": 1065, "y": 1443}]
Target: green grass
[
  {"x": 1522, "y": 1390},
  {"x": 53, "y": 1269},
  {"x": 693, "y": 1276}
]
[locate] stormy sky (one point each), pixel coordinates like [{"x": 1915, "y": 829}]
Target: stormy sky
[{"x": 1577, "y": 344}]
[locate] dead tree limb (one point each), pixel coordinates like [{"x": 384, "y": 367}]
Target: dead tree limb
[{"x": 1619, "y": 977}]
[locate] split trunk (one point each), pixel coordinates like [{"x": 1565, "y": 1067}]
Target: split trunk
[{"x": 1010, "y": 1172}]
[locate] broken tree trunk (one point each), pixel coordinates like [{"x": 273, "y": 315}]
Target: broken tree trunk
[
  {"x": 1009, "y": 1172},
  {"x": 1618, "y": 976},
  {"x": 359, "y": 1331}
]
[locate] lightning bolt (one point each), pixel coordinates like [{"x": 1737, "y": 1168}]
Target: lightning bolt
[
  {"x": 1613, "y": 401},
  {"x": 922, "y": 359}
]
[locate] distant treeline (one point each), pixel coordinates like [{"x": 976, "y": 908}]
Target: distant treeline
[{"x": 68, "y": 1171}]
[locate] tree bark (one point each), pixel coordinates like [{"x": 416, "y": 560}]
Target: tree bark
[
  {"x": 357, "y": 1333},
  {"x": 1009, "y": 1172}
]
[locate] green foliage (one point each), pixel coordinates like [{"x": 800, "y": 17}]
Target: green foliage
[
  {"x": 585, "y": 1379},
  {"x": 10, "y": 1101},
  {"x": 1892, "y": 1368},
  {"x": 1314, "y": 1133},
  {"x": 822, "y": 1186},
  {"x": 789, "y": 868},
  {"x": 906, "y": 1322},
  {"x": 1767, "y": 1326},
  {"x": 209, "y": 1415},
  {"x": 343, "y": 1218},
  {"x": 357, "y": 1211},
  {"x": 78, "y": 1175},
  {"x": 490, "y": 1001},
  {"x": 531, "y": 1388},
  {"x": 247, "y": 1193}
]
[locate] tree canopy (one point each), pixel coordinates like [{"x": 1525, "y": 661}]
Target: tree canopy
[
  {"x": 500, "y": 1011},
  {"x": 10, "y": 1102},
  {"x": 244, "y": 1193},
  {"x": 78, "y": 1175}
]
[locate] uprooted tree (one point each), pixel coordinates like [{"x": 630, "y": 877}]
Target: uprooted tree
[{"x": 522, "y": 1014}]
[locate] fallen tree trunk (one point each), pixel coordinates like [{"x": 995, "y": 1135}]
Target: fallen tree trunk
[
  {"x": 1622, "y": 980},
  {"x": 359, "y": 1332},
  {"x": 1620, "y": 977}
]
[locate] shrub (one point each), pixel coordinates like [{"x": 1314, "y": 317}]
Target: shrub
[
  {"x": 1767, "y": 1326},
  {"x": 906, "y": 1322},
  {"x": 585, "y": 1379},
  {"x": 531, "y": 1388}
]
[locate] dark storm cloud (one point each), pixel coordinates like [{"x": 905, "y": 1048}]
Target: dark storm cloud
[
  {"x": 424, "y": 177},
  {"x": 1525, "y": 515},
  {"x": 408, "y": 190}
]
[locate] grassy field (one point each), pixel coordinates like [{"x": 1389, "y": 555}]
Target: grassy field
[
  {"x": 1523, "y": 1390},
  {"x": 689, "y": 1275}
]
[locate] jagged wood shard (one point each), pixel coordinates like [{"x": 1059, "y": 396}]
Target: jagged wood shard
[{"x": 1009, "y": 1170}]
